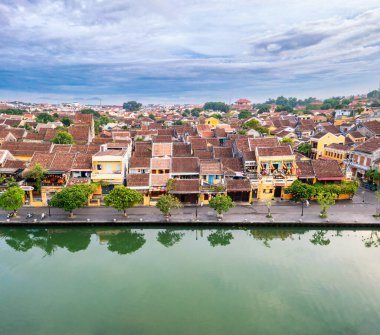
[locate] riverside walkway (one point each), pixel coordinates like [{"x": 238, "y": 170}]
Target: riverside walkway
[{"x": 356, "y": 212}]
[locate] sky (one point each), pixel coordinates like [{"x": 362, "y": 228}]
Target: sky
[{"x": 186, "y": 51}]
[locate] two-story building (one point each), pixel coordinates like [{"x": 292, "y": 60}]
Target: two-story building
[
  {"x": 276, "y": 167},
  {"x": 364, "y": 156},
  {"x": 321, "y": 140}
]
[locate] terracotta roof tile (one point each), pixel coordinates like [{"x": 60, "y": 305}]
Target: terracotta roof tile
[
  {"x": 138, "y": 180},
  {"x": 238, "y": 185},
  {"x": 185, "y": 165},
  {"x": 185, "y": 186}
]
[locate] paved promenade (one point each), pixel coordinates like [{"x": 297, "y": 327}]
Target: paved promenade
[{"x": 350, "y": 212}]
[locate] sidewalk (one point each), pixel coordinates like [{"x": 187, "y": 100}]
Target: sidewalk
[{"x": 348, "y": 213}]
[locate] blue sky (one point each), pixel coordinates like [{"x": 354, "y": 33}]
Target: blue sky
[{"x": 168, "y": 51}]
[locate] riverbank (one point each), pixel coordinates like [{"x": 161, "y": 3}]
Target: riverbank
[{"x": 348, "y": 213}]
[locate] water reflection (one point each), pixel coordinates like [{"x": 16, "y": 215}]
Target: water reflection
[
  {"x": 220, "y": 237},
  {"x": 169, "y": 237},
  {"x": 124, "y": 241}
]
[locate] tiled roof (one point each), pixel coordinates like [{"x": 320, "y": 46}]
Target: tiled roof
[
  {"x": 369, "y": 146},
  {"x": 14, "y": 164},
  {"x": 185, "y": 186},
  {"x": 138, "y": 180},
  {"x": 25, "y": 148},
  {"x": 222, "y": 152},
  {"x": 181, "y": 149},
  {"x": 232, "y": 165},
  {"x": 160, "y": 163},
  {"x": 305, "y": 170},
  {"x": 139, "y": 162},
  {"x": 185, "y": 165},
  {"x": 119, "y": 153},
  {"x": 203, "y": 154},
  {"x": 82, "y": 162},
  {"x": 80, "y": 132},
  {"x": 198, "y": 143},
  {"x": 210, "y": 167},
  {"x": 238, "y": 185},
  {"x": 262, "y": 142},
  {"x": 159, "y": 179},
  {"x": 249, "y": 155},
  {"x": 373, "y": 126},
  {"x": 143, "y": 149},
  {"x": 338, "y": 146},
  {"x": 285, "y": 150},
  {"x": 61, "y": 162},
  {"x": 83, "y": 118},
  {"x": 162, "y": 139},
  {"x": 327, "y": 170},
  {"x": 356, "y": 134},
  {"x": 162, "y": 149}
]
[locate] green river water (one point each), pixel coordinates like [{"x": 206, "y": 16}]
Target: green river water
[{"x": 185, "y": 281}]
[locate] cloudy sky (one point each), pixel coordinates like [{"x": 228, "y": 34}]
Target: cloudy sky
[{"x": 187, "y": 50}]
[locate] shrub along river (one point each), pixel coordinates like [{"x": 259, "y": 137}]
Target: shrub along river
[{"x": 187, "y": 281}]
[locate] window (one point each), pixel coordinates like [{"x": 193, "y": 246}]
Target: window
[{"x": 99, "y": 167}]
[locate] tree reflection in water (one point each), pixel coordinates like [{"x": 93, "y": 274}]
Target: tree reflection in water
[
  {"x": 220, "y": 237},
  {"x": 126, "y": 242},
  {"x": 319, "y": 238},
  {"x": 169, "y": 237},
  {"x": 267, "y": 235},
  {"x": 373, "y": 240},
  {"x": 48, "y": 240}
]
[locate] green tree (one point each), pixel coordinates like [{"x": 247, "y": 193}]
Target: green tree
[
  {"x": 263, "y": 109},
  {"x": 14, "y": 111},
  {"x": 63, "y": 137},
  {"x": 375, "y": 94},
  {"x": 169, "y": 237},
  {"x": 97, "y": 127},
  {"x": 132, "y": 106},
  {"x": 300, "y": 191},
  {"x": 166, "y": 203},
  {"x": 90, "y": 111},
  {"x": 178, "y": 123},
  {"x": 104, "y": 120},
  {"x": 287, "y": 140},
  {"x": 305, "y": 149},
  {"x": 12, "y": 199},
  {"x": 221, "y": 203},
  {"x": 151, "y": 116},
  {"x": 70, "y": 198},
  {"x": 325, "y": 200},
  {"x": 37, "y": 173},
  {"x": 44, "y": 118},
  {"x": 122, "y": 198},
  {"x": 216, "y": 106},
  {"x": 244, "y": 114},
  {"x": 216, "y": 116},
  {"x": 66, "y": 121},
  {"x": 196, "y": 112}
]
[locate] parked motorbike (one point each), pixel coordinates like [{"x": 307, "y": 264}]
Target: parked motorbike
[
  {"x": 10, "y": 215},
  {"x": 29, "y": 215},
  {"x": 43, "y": 216}
]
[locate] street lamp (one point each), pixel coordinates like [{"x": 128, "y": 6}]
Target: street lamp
[{"x": 48, "y": 203}]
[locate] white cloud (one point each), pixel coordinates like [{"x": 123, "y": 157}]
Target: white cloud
[{"x": 237, "y": 44}]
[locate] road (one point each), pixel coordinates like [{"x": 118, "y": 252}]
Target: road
[{"x": 346, "y": 211}]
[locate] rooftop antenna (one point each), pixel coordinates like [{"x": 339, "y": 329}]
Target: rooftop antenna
[{"x": 100, "y": 102}]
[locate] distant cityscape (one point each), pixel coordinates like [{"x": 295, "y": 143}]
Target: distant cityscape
[{"x": 245, "y": 151}]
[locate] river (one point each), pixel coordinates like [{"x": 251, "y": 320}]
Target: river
[{"x": 92, "y": 281}]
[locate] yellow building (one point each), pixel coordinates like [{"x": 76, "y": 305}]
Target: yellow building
[
  {"x": 322, "y": 140},
  {"x": 110, "y": 166},
  {"x": 212, "y": 122},
  {"x": 337, "y": 152},
  {"x": 276, "y": 168}
]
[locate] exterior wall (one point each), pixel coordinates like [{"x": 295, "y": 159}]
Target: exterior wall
[
  {"x": 325, "y": 141},
  {"x": 212, "y": 122}
]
